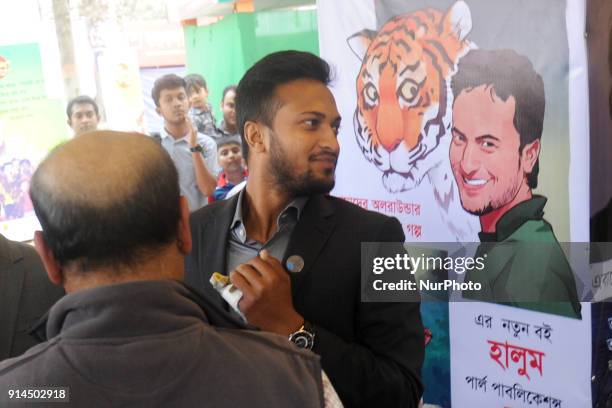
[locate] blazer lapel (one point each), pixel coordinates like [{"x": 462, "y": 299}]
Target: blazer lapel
[
  {"x": 309, "y": 237},
  {"x": 214, "y": 254},
  {"x": 11, "y": 287},
  {"x": 221, "y": 226}
]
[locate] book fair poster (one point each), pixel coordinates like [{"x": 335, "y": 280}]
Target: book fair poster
[{"x": 30, "y": 125}]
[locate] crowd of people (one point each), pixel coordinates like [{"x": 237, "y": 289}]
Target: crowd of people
[
  {"x": 208, "y": 156},
  {"x": 83, "y": 115}
]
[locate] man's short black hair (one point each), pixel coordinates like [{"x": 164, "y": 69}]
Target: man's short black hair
[
  {"x": 509, "y": 74},
  {"x": 195, "y": 81},
  {"x": 224, "y": 141},
  {"x": 255, "y": 92},
  {"x": 80, "y": 100},
  {"x": 226, "y": 90},
  {"x": 87, "y": 234},
  {"x": 169, "y": 81}
]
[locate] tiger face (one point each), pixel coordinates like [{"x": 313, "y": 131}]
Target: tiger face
[{"x": 403, "y": 94}]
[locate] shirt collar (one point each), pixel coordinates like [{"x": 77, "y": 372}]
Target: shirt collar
[
  {"x": 108, "y": 311},
  {"x": 532, "y": 209},
  {"x": 291, "y": 213},
  {"x": 224, "y": 129},
  {"x": 222, "y": 182},
  {"x": 165, "y": 135},
  {"x": 72, "y": 315}
]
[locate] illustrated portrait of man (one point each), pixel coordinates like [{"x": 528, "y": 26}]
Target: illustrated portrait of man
[{"x": 498, "y": 117}]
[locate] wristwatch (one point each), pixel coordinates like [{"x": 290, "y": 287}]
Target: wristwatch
[
  {"x": 304, "y": 337},
  {"x": 196, "y": 148}
]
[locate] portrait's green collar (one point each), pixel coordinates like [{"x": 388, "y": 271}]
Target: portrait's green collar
[{"x": 532, "y": 209}]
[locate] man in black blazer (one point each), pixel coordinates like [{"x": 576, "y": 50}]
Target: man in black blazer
[
  {"x": 295, "y": 252},
  {"x": 25, "y": 296}
]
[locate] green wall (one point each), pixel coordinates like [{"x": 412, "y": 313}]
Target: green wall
[{"x": 223, "y": 51}]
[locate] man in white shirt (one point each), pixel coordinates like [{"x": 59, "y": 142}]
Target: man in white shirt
[{"x": 194, "y": 154}]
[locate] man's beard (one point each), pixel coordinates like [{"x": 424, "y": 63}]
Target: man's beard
[
  {"x": 296, "y": 185},
  {"x": 493, "y": 204},
  {"x": 482, "y": 211}
]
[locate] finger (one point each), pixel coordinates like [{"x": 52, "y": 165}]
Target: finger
[
  {"x": 252, "y": 276},
  {"x": 265, "y": 269},
  {"x": 265, "y": 256},
  {"x": 241, "y": 283}
]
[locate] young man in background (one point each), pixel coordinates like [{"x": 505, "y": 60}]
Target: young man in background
[{"x": 194, "y": 154}]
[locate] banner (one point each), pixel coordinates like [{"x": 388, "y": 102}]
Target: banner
[
  {"x": 122, "y": 95},
  {"x": 503, "y": 356},
  {"x": 448, "y": 173},
  {"x": 30, "y": 125}
]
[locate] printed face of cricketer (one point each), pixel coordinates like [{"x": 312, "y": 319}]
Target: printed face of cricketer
[{"x": 484, "y": 153}]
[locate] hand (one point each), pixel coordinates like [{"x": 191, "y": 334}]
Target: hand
[
  {"x": 193, "y": 132},
  {"x": 266, "y": 300}
]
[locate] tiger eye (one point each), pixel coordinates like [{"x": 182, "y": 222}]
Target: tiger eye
[
  {"x": 408, "y": 90},
  {"x": 370, "y": 93}
]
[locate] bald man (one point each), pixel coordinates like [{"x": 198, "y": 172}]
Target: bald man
[{"x": 128, "y": 332}]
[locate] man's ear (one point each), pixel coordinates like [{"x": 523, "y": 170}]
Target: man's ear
[
  {"x": 69, "y": 122},
  {"x": 183, "y": 234},
  {"x": 158, "y": 110},
  {"x": 53, "y": 268},
  {"x": 529, "y": 155},
  {"x": 253, "y": 135}
]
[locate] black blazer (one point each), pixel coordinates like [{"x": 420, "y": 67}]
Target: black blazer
[
  {"x": 372, "y": 352},
  {"x": 25, "y": 296}
]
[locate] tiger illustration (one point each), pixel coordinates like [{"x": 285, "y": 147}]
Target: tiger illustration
[{"x": 404, "y": 103}]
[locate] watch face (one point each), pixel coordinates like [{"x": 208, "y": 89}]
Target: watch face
[{"x": 303, "y": 339}]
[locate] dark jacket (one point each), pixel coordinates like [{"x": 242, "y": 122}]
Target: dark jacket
[
  {"x": 372, "y": 352},
  {"x": 157, "y": 344},
  {"x": 25, "y": 295}
]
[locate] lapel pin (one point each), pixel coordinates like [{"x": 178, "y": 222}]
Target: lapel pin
[{"x": 295, "y": 263}]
